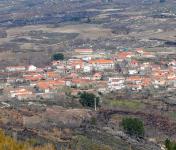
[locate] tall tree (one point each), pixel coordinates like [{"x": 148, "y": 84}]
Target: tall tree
[{"x": 89, "y": 99}]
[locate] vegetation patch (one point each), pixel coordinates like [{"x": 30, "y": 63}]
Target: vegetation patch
[
  {"x": 172, "y": 115},
  {"x": 88, "y": 99},
  {"x": 84, "y": 143},
  {"x": 170, "y": 145},
  {"x": 126, "y": 104},
  {"x": 133, "y": 127},
  {"x": 8, "y": 143},
  {"x": 58, "y": 56}
]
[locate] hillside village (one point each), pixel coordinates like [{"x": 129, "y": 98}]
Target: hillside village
[
  {"x": 44, "y": 102},
  {"x": 91, "y": 71},
  {"x": 72, "y": 72}
]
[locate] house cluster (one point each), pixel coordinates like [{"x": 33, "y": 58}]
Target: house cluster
[{"x": 89, "y": 70}]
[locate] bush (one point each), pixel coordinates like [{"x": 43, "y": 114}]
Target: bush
[
  {"x": 170, "y": 145},
  {"x": 88, "y": 99},
  {"x": 93, "y": 121},
  {"x": 133, "y": 127},
  {"x": 58, "y": 56}
]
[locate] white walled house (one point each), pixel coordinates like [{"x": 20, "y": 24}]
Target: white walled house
[
  {"x": 15, "y": 68},
  {"x": 116, "y": 83},
  {"x": 87, "y": 68},
  {"x": 102, "y": 64},
  {"x": 21, "y": 93},
  {"x": 32, "y": 68},
  {"x": 132, "y": 72}
]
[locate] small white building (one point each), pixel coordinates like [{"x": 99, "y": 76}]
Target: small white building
[
  {"x": 87, "y": 68},
  {"x": 132, "y": 72},
  {"x": 86, "y": 58},
  {"x": 102, "y": 64},
  {"x": 32, "y": 68},
  {"x": 15, "y": 68},
  {"x": 136, "y": 87},
  {"x": 21, "y": 93},
  {"x": 116, "y": 83}
]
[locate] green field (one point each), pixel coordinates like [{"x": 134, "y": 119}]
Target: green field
[
  {"x": 172, "y": 115},
  {"x": 129, "y": 104}
]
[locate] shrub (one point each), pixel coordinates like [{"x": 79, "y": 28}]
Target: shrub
[
  {"x": 93, "y": 121},
  {"x": 133, "y": 127},
  {"x": 58, "y": 56},
  {"x": 170, "y": 145}
]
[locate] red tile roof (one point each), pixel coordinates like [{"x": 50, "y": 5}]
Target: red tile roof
[
  {"x": 101, "y": 61},
  {"x": 33, "y": 77},
  {"x": 50, "y": 83},
  {"x": 83, "y": 50},
  {"x": 21, "y": 91},
  {"x": 124, "y": 55}
]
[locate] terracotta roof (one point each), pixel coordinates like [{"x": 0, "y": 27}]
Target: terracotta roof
[
  {"x": 139, "y": 50},
  {"x": 50, "y": 83},
  {"x": 21, "y": 91},
  {"x": 81, "y": 81},
  {"x": 134, "y": 62},
  {"x": 147, "y": 53},
  {"x": 33, "y": 77},
  {"x": 134, "y": 78},
  {"x": 101, "y": 61},
  {"x": 43, "y": 85},
  {"x": 83, "y": 50},
  {"x": 146, "y": 81},
  {"x": 123, "y": 55},
  {"x": 73, "y": 75},
  {"x": 97, "y": 74},
  {"x": 52, "y": 74},
  {"x": 75, "y": 62},
  {"x": 160, "y": 73}
]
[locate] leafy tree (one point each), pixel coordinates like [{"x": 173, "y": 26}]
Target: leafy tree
[
  {"x": 58, "y": 56},
  {"x": 88, "y": 99},
  {"x": 133, "y": 127}
]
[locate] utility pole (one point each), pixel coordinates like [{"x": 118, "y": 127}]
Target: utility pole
[
  {"x": 95, "y": 103},
  {"x": 130, "y": 147}
]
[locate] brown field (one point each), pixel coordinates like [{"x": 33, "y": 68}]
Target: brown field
[{"x": 85, "y": 30}]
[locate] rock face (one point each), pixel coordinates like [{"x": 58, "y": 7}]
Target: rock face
[{"x": 70, "y": 118}]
